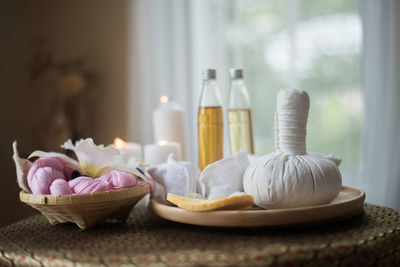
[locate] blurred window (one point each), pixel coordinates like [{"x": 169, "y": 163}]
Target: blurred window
[{"x": 309, "y": 45}]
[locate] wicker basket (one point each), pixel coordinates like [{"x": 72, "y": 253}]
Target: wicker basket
[{"x": 88, "y": 209}]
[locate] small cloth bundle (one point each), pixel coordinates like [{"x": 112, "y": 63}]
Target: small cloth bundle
[
  {"x": 219, "y": 186},
  {"x": 291, "y": 177},
  {"x": 223, "y": 177},
  {"x": 179, "y": 178},
  {"x": 45, "y": 171}
]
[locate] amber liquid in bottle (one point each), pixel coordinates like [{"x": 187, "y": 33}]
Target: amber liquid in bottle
[
  {"x": 210, "y": 135},
  {"x": 240, "y": 130}
]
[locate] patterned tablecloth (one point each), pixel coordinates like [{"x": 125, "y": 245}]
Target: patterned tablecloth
[{"x": 369, "y": 239}]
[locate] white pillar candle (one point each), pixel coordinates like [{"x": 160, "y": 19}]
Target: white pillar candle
[
  {"x": 168, "y": 123},
  {"x": 128, "y": 149},
  {"x": 158, "y": 153}
]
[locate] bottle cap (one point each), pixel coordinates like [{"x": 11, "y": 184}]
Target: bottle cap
[
  {"x": 236, "y": 73},
  {"x": 209, "y": 74}
]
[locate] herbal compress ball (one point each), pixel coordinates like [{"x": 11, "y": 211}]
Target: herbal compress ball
[{"x": 291, "y": 177}]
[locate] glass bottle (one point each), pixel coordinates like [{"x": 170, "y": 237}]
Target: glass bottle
[
  {"x": 239, "y": 115},
  {"x": 210, "y": 122}
]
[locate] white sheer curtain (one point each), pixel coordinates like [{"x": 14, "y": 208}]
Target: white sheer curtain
[
  {"x": 172, "y": 42},
  {"x": 158, "y": 61},
  {"x": 381, "y": 87}
]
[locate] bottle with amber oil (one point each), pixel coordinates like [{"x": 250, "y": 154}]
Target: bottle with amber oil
[
  {"x": 239, "y": 115},
  {"x": 210, "y": 121}
]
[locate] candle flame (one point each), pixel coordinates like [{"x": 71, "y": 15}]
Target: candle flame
[
  {"x": 165, "y": 99},
  {"x": 162, "y": 142},
  {"x": 119, "y": 143}
]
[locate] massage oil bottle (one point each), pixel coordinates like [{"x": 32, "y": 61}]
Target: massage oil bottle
[
  {"x": 239, "y": 115},
  {"x": 210, "y": 122}
]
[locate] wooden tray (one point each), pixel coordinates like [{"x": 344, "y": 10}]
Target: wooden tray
[{"x": 348, "y": 203}]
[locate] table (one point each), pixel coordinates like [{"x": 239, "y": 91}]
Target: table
[{"x": 372, "y": 238}]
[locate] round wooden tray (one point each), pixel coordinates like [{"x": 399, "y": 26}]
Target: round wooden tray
[{"x": 348, "y": 203}]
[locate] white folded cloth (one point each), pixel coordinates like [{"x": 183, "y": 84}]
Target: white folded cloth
[
  {"x": 218, "y": 180},
  {"x": 179, "y": 178},
  {"x": 223, "y": 177}
]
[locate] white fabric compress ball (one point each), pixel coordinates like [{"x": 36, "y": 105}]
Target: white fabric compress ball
[{"x": 291, "y": 177}]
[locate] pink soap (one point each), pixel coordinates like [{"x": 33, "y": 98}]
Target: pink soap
[{"x": 60, "y": 187}]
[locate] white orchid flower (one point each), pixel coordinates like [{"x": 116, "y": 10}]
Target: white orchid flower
[{"x": 94, "y": 160}]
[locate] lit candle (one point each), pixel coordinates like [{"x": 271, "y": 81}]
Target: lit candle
[
  {"x": 158, "y": 153},
  {"x": 168, "y": 123},
  {"x": 128, "y": 149}
]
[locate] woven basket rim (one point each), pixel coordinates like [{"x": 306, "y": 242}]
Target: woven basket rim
[{"x": 90, "y": 198}]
